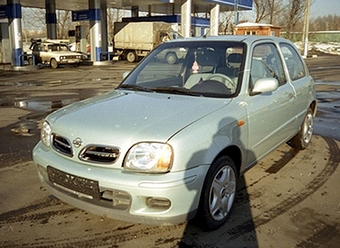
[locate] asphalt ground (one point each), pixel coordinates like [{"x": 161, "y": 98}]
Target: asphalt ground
[{"x": 289, "y": 199}]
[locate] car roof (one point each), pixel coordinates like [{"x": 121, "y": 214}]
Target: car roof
[
  {"x": 53, "y": 43},
  {"x": 236, "y": 38}
]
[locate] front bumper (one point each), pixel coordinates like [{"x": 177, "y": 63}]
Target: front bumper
[
  {"x": 158, "y": 199},
  {"x": 69, "y": 61}
]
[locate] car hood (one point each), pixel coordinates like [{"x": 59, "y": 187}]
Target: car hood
[
  {"x": 130, "y": 117},
  {"x": 63, "y": 53}
]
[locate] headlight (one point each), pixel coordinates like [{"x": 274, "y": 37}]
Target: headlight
[
  {"x": 45, "y": 134},
  {"x": 149, "y": 157}
]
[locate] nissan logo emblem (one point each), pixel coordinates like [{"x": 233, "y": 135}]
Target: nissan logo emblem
[{"x": 77, "y": 142}]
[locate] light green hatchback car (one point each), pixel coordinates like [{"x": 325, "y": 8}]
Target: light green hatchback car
[{"x": 170, "y": 142}]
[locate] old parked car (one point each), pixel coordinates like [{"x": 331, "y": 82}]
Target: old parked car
[
  {"x": 53, "y": 54},
  {"x": 171, "y": 140}
]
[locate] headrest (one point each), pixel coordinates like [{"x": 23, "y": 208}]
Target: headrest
[
  {"x": 207, "y": 58},
  {"x": 235, "y": 58}
]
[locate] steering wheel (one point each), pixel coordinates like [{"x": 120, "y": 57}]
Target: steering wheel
[
  {"x": 225, "y": 79},
  {"x": 211, "y": 86}
]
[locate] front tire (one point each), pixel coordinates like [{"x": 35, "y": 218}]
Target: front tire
[
  {"x": 54, "y": 64},
  {"x": 303, "y": 138},
  {"x": 218, "y": 194}
]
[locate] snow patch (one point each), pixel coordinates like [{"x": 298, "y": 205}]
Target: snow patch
[{"x": 328, "y": 48}]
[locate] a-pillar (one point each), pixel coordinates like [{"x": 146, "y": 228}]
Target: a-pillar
[
  {"x": 15, "y": 30},
  {"x": 186, "y": 19},
  {"x": 95, "y": 30},
  {"x": 214, "y": 16},
  {"x": 51, "y": 19}
]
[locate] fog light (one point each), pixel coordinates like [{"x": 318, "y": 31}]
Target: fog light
[{"x": 160, "y": 203}]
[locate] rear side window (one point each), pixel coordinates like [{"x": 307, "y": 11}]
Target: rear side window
[{"x": 294, "y": 63}]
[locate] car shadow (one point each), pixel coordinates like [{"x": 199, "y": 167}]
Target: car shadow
[{"x": 239, "y": 229}]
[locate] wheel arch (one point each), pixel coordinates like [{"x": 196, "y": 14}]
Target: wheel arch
[
  {"x": 235, "y": 153},
  {"x": 204, "y": 214},
  {"x": 313, "y": 106}
]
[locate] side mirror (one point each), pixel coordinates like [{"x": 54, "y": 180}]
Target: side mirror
[
  {"x": 125, "y": 74},
  {"x": 264, "y": 85}
]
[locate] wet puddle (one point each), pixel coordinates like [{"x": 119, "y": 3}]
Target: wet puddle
[
  {"x": 25, "y": 84},
  {"x": 46, "y": 106},
  {"x": 327, "y": 83},
  {"x": 26, "y": 128},
  {"x": 327, "y": 120},
  {"x": 325, "y": 67},
  {"x": 29, "y": 125}
]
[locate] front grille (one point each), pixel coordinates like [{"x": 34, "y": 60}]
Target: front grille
[
  {"x": 99, "y": 154},
  {"x": 62, "y": 145},
  {"x": 71, "y": 57}
]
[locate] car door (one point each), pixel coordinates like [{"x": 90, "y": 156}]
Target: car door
[
  {"x": 45, "y": 53},
  {"x": 36, "y": 52},
  {"x": 269, "y": 114},
  {"x": 300, "y": 80}
]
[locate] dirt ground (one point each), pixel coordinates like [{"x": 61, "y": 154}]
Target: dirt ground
[{"x": 289, "y": 199}]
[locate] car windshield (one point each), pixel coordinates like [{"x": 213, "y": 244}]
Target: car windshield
[
  {"x": 199, "y": 68},
  {"x": 58, "y": 47}
]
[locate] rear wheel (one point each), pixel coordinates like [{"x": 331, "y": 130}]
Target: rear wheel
[
  {"x": 54, "y": 63},
  {"x": 131, "y": 56},
  {"x": 302, "y": 139},
  {"x": 218, "y": 194},
  {"x": 171, "y": 58}
]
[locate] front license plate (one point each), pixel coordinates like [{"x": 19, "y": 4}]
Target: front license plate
[{"x": 78, "y": 185}]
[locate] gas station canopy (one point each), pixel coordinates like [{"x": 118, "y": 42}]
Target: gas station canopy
[
  {"x": 94, "y": 11},
  {"x": 157, "y": 6}
]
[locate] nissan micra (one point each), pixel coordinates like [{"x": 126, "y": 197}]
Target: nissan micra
[{"x": 169, "y": 143}]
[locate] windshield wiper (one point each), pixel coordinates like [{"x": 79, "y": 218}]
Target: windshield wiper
[
  {"x": 134, "y": 87},
  {"x": 175, "y": 90}
]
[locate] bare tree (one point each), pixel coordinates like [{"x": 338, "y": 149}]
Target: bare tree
[
  {"x": 325, "y": 23},
  {"x": 64, "y": 22},
  {"x": 275, "y": 7},
  {"x": 34, "y": 19},
  {"x": 261, "y": 10},
  {"x": 295, "y": 14},
  {"x": 113, "y": 15},
  {"x": 225, "y": 24},
  {"x": 268, "y": 10},
  {"x": 33, "y": 23}
]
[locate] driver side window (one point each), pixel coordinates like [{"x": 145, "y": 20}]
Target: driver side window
[{"x": 266, "y": 63}]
